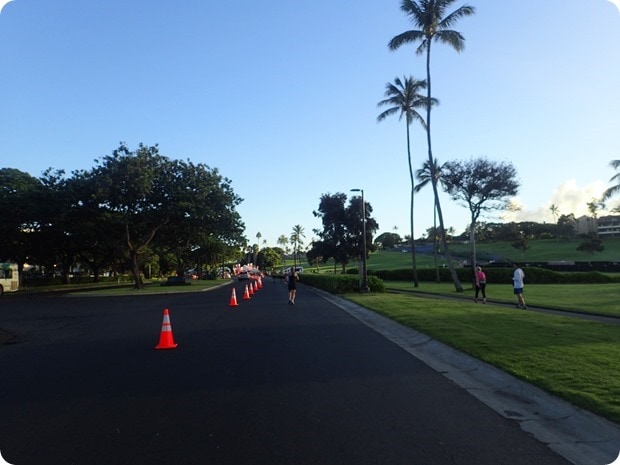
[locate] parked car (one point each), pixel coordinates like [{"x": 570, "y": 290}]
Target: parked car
[
  {"x": 243, "y": 275},
  {"x": 299, "y": 269}
]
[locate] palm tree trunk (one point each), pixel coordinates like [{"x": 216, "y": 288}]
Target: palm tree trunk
[
  {"x": 455, "y": 278},
  {"x": 413, "y": 260},
  {"x": 472, "y": 241},
  {"x": 437, "y": 278}
]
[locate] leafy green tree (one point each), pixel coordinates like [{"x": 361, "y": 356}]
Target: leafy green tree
[
  {"x": 591, "y": 244},
  {"x": 57, "y": 241},
  {"x": 433, "y": 23},
  {"x": 566, "y": 226},
  {"x": 268, "y": 258},
  {"x": 521, "y": 243},
  {"x": 404, "y": 98},
  {"x": 314, "y": 255},
  {"x": 20, "y": 203},
  {"x": 332, "y": 243},
  {"x": 355, "y": 227},
  {"x": 388, "y": 240},
  {"x": 94, "y": 235},
  {"x": 482, "y": 185},
  {"x": 146, "y": 194},
  {"x": 342, "y": 233}
]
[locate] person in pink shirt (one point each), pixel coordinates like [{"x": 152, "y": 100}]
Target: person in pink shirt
[{"x": 481, "y": 284}]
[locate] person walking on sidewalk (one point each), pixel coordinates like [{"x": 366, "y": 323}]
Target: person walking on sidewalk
[
  {"x": 292, "y": 279},
  {"x": 481, "y": 285},
  {"x": 518, "y": 278}
]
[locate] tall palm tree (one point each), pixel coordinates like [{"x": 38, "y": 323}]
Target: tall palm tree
[
  {"x": 403, "y": 98},
  {"x": 434, "y": 23},
  {"x": 424, "y": 176},
  {"x": 297, "y": 240},
  {"x": 283, "y": 241},
  {"x": 258, "y": 236}
]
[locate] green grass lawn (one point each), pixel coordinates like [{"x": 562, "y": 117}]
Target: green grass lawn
[
  {"x": 151, "y": 287},
  {"x": 602, "y": 299},
  {"x": 574, "y": 359},
  {"x": 542, "y": 250}
]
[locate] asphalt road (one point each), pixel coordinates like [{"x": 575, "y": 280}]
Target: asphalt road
[{"x": 261, "y": 383}]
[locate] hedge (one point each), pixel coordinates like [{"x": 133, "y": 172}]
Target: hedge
[
  {"x": 340, "y": 283},
  {"x": 498, "y": 275}
]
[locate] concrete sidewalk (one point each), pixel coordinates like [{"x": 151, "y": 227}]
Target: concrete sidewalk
[{"x": 576, "y": 434}]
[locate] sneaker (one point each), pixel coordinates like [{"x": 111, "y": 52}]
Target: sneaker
[{"x": 484, "y": 301}]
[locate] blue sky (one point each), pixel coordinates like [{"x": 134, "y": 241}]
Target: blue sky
[{"x": 281, "y": 97}]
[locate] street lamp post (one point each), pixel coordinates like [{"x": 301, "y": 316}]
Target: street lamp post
[{"x": 364, "y": 286}]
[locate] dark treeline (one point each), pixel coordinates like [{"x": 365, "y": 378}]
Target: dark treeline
[{"x": 133, "y": 211}]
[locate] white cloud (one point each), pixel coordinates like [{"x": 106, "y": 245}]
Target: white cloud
[
  {"x": 3, "y": 3},
  {"x": 568, "y": 197}
]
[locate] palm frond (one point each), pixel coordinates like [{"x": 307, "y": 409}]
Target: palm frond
[
  {"x": 457, "y": 14},
  {"x": 611, "y": 192},
  {"x": 388, "y": 112},
  {"x": 453, "y": 38},
  {"x": 405, "y": 38}
]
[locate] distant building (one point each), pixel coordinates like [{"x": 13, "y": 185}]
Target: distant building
[
  {"x": 608, "y": 226},
  {"x": 585, "y": 225},
  {"x": 605, "y": 226}
]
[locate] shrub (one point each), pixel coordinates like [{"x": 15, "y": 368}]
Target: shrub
[
  {"x": 340, "y": 283},
  {"x": 533, "y": 275}
]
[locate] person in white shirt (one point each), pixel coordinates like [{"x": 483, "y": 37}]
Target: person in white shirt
[{"x": 518, "y": 284}]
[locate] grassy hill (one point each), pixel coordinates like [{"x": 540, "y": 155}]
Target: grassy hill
[{"x": 542, "y": 250}]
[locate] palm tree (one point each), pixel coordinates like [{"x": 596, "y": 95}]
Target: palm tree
[
  {"x": 258, "y": 236},
  {"x": 424, "y": 176},
  {"x": 434, "y": 23},
  {"x": 555, "y": 211},
  {"x": 613, "y": 190},
  {"x": 296, "y": 239},
  {"x": 283, "y": 241},
  {"x": 403, "y": 97}
]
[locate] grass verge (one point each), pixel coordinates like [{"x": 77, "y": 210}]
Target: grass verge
[
  {"x": 600, "y": 299},
  {"x": 154, "y": 287},
  {"x": 573, "y": 359}
]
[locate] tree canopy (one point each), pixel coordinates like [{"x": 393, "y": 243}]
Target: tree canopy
[
  {"x": 132, "y": 204},
  {"x": 342, "y": 234}
]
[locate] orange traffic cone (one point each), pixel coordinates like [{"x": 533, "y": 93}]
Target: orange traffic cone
[
  {"x": 166, "y": 341},
  {"x": 246, "y": 294},
  {"x": 255, "y": 286},
  {"x": 251, "y": 288},
  {"x": 233, "y": 299},
  {"x": 260, "y": 283}
]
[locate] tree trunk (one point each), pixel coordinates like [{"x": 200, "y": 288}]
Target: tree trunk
[
  {"x": 413, "y": 260},
  {"x": 455, "y": 278},
  {"x": 435, "y": 244},
  {"x": 135, "y": 269},
  {"x": 472, "y": 242}
]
